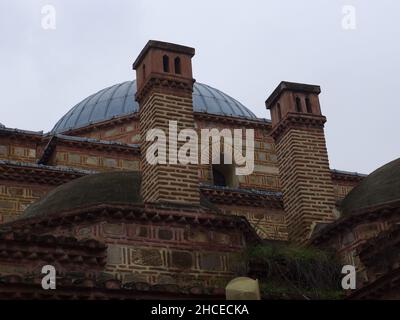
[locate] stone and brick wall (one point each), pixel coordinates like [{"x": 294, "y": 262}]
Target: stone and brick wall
[
  {"x": 18, "y": 149},
  {"x": 266, "y": 173},
  {"x": 349, "y": 240},
  {"x": 172, "y": 255},
  {"x": 184, "y": 255},
  {"x": 94, "y": 160},
  {"x": 126, "y": 131},
  {"x": 15, "y": 197},
  {"x": 342, "y": 189},
  {"x": 344, "y": 182}
]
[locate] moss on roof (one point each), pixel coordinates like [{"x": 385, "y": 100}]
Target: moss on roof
[
  {"x": 118, "y": 187},
  {"x": 381, "y": 186},
  {"x": 109, "y": 187}
]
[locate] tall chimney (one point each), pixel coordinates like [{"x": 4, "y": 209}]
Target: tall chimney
[
  {"x": 298, "y": 130},
  {"x": 164, "y": 92}
]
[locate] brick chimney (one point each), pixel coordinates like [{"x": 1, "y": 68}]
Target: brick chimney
[
  {"x": 298, "y": 130},
  {"x": 164, "y": 93}
]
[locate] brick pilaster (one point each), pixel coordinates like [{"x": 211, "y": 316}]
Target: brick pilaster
[
  {"x": 298, "y": 130},
  {"x": 164, "y": 95}
]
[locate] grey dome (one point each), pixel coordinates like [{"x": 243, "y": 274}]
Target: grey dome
[
  {"x": 119, "y": 100},
  {"x": 381, "y": 187}
]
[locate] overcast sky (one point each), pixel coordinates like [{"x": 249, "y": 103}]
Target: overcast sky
[{"x": 244, "y": 48}]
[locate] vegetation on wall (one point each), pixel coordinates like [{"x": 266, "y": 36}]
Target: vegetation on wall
[{"x": 293, "y": 272}]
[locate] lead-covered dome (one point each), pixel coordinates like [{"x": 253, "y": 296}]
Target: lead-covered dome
[
  {"x": 381, "y": 187},
  {"x": 119, "y": 100},
  {"x": 115, "y": 187}
]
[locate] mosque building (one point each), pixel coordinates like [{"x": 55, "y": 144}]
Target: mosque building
[{"x": 84, "y": 198}]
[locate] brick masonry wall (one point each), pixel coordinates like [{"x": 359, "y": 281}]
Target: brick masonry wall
[
  {"x": 269, "y": 223},
  {"x": 169, "y": 182},
  {"x": 266, "y": 171},
  {"x": 167, "y": 254},
  {"x": 127, "y": 132},
  {"x": 265, "y": 175},
  {"x": 94, "y": 160},
  {"x": 308, "y": 193},
  {"x": 348, "y": 241},
  {"x": 15, "y": 197},
  {"x": 18, "y": 150},
  {"x": 342, "y": 188}
]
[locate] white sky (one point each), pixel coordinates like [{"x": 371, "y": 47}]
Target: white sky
[{"x": 244, "y": 48}]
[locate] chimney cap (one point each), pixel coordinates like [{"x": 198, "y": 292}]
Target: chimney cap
[
  {"x": 291, "y": 86},
  {"x": 154, "y": 44}
]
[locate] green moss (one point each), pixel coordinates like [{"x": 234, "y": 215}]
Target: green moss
[
  {"x": 293, "y": 271},
  {"x": 381, "y": 186},
  {"x": 290, "y": 252},
  {"x": 119, "y": 187}
]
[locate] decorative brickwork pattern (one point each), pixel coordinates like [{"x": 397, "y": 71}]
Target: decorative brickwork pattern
[
  {"x": 16, "y": 197},
  {"x": 12, "y": 150},
  {"x": 184, "y": 256},
  {"x": 99, "y": 161},
  {"x": 126, "y": 132}
]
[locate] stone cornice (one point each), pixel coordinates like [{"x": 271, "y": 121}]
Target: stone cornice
[
  {"x": 67, "y": 250},
  {"x": 149, "y": 213},
  {"x": 33, "y": 173},
  {"x": 87, "y": 143},
  {"x": 246, "y": 122},
  {"x": 103, "y": 124},
  {"x": 347, "y": 176},
  {"x": 171, "y": 84},
  {"x": 364, "y": 215},
  {"x": 243, "y": 122},
  {"x": 297, "y": 121},
  {"x": 290, "y": 86},
  {"x": 18, "y": 134},
  {"x": 48, "y": 175},
  {"x": 242, "y": 198}
]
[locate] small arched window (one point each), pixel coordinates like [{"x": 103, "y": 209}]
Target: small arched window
[
  {"x": 308, "y": 105},
  {"x": 298, "y": 104},
  {"x": 177, "y": 64},
  {"x": 166, "y": 63},
  {"x": 278, "y": 107}
]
